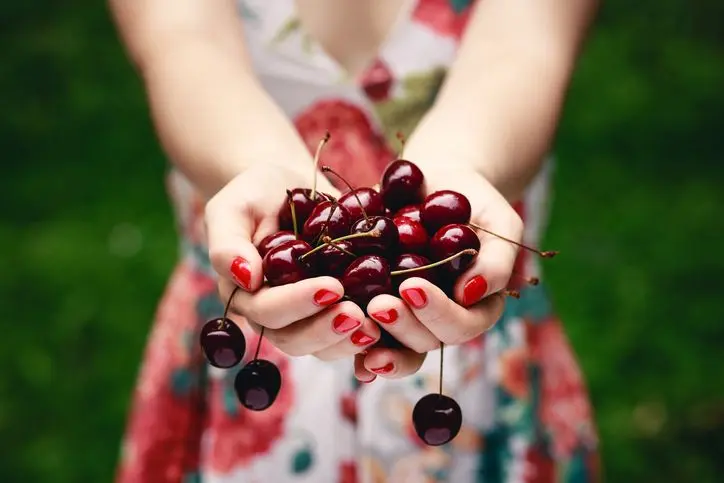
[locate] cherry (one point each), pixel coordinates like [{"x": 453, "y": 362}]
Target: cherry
[
  {"x": 386, "y": 242},
  {"x": 223, "y": 342},
  {"x": 408, "y": 261},
  {"x": 452, "y": 239},
  {"x": 388, "y": 341},
  {"x": 443, "y": 208},
  {"x": 327, "y": 217},
  {"x": 334, "y": 258},
  {"x": 274, "y": 240},
  {"x": 437, "y": 419},
  {"x": 412, "y": 237},
  {"x": 362, "y": 200},
  {"x": 303, "y": 204},
  {"x": 409, "y": 211},
  {"x": 365, "y": 278},
  {"x": 402, "y": 184},
  {"x": 257, "y": 384},
  {"x": 287, "y": 264}
]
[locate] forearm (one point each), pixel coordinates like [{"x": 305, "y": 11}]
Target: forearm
[
  {"x": 213, "y": 118},
  {"x": 500, "y": 104}
]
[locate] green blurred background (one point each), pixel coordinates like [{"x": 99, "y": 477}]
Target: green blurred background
[{"x": 88, "y": 239}]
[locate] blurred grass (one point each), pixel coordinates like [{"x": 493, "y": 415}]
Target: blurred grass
[{"x": 89, "y": 240}]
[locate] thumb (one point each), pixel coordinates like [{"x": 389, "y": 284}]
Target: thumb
[{"x": 231, "y": 222}]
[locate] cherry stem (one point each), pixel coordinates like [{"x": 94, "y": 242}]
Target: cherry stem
[
  {"x": 467, "y": 251},
  {"x": 401, "y": 139},
  {"x": 327, "y": 169},
  {"x": 294, "y": 213},
  {"x": 528, "y": 280},
  {"x": 442, "y": 346},
  {"x": 543, "y": 254},
  {"x": 228, "y": 304},
  {"x": 316, "y": 163},
  {"x": 258, "y": 344},
  {"x": 512, "y": 293},
  {"x": 326, "y": 240},
  {"x": 326, "y": 223}
]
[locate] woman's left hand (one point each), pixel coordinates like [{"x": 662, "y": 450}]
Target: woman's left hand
[{"x": 425, "y": 316}]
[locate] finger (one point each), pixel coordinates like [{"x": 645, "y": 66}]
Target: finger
[
  {"x": 397, "y": 319},
  {"x": 277, "y": 307},
  {"x": 449, "y": 322},
  {"x": 393, "y": 363},
  {"x": 360, "y": 372},
  {"x": 493, "y": 266},
  {"x": 230, "y": 225},
  {"x": 316, "y": 333},
  {"x": 359, "y": 340}
]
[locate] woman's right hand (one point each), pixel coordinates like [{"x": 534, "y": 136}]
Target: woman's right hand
[{"x": 300, "y": 318}]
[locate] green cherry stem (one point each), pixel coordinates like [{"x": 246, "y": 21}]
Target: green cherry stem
[
  {"x": 373, "y": 233},
  {"x": 327, "y": 169},
  {"x": 468, "y": 251},
  {"x": 293, "y": 210},
  {"x": 317, "y": 154},
  {"x": 542, "y": 254}
]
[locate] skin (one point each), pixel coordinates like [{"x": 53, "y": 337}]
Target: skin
[{"x": 491, "y": 130}]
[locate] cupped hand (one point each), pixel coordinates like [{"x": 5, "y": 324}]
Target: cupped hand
[
  {"x": 300, "y": 318},
  {"x": 424, "y": 316}
]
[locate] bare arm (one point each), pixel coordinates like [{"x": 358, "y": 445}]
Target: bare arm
[
  {"x": 500, "y": 104},
  {"x": 212, "y": 117}
]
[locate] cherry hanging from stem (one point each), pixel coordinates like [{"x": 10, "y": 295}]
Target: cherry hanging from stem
[{"x": 327, "y": 169}]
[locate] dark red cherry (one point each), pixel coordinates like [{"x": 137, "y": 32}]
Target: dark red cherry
[
  {"x": 333, "y": 260},
  {"x": 442, "y": 208},
  {"x": 402, "y": 184},
  {"x": 365, "y": 278},
  {"x": 257, "y": 384},
  {"x": 407, "y": 261},
  {"x": 437, "y": 419},
  {"x": 384, "y": 244},
  {"x": 273, "y": 241},
  {"x": 410, "y": 211},
  {"x": 303, "y": 206},
  {"x": 388, "y": 341},
  {"x": 223, "y": 343},
  {"x": 371, "y": 202},
  {"x": 449, "y": 240},
  {"x": 411, "y": 235},
  {"x": 283, "y": 264},
  {"x": 319, "y": 220}
]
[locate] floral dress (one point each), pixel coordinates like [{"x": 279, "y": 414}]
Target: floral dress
[{"x": 527, "y": 417}]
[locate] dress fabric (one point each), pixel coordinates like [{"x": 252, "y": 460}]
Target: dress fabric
[{"x": 527, "y": 417}]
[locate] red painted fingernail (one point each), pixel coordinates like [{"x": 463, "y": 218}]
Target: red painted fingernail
[
  {"x": 359, "y": 338},
  {"x": 343, "y": 323},
  {"x": 386, "y": 369},
  {"x": 415, "y": 297},
  {"x": 385, "y": 316},
  {"x": 241, "y": 273},
  {"x": 474, "y": 290},
  {"x": 326, "y": 297}
]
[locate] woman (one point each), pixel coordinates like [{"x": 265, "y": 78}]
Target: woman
[{"x": 241, "y": 93}]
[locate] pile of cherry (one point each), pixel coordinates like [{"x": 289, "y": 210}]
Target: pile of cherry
[{"x": 371, "y": 241}]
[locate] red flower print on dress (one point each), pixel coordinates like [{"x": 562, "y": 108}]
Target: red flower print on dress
[
  {"x": 539, "y": 467},
  {"x": 514, "y": 371},
  {"x": 377, "y": 81},
  {"x": 441, "y": 17},
  {"x": 355, "y": 150},
  {"x": 348, "y": 472},
  {"x": 564, "y": 406},
  {"x": 237, "y": 438},
  {"x": 348, "y": 408},
  {"x": 162, "y": 435}
]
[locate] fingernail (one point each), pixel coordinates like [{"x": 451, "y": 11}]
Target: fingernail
[
  {"x": 474, "y": 290},
  {"x": 415, "y": 297},
  {"x": 325, "y": 297},
  {"x": 386, "y": 369},
  {"x": 385, "y": 316},
  {"x": 367, "y": 382},
  {"x": 343, "y": 323},
  {"x": 241, "y": 273},
  {"x": 359, "y": 338}
]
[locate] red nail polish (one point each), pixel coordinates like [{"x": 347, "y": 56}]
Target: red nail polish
[
  {"x": 415, "y": 297},
  {"x": 325, "y": 297},
  {"x": 343, "y": 323},
  {"x": 241, "y": 273},
  {"x": 359, "y": 338},
  {"x": 385, "y": 316},
  {"x": 386, "y": 369},
  {"x": 474, "y": 290}
]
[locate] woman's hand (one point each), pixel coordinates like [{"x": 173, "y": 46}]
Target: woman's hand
[
  {"x": 424, "y": 316},
  {"x": 300, "y": 318}
]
